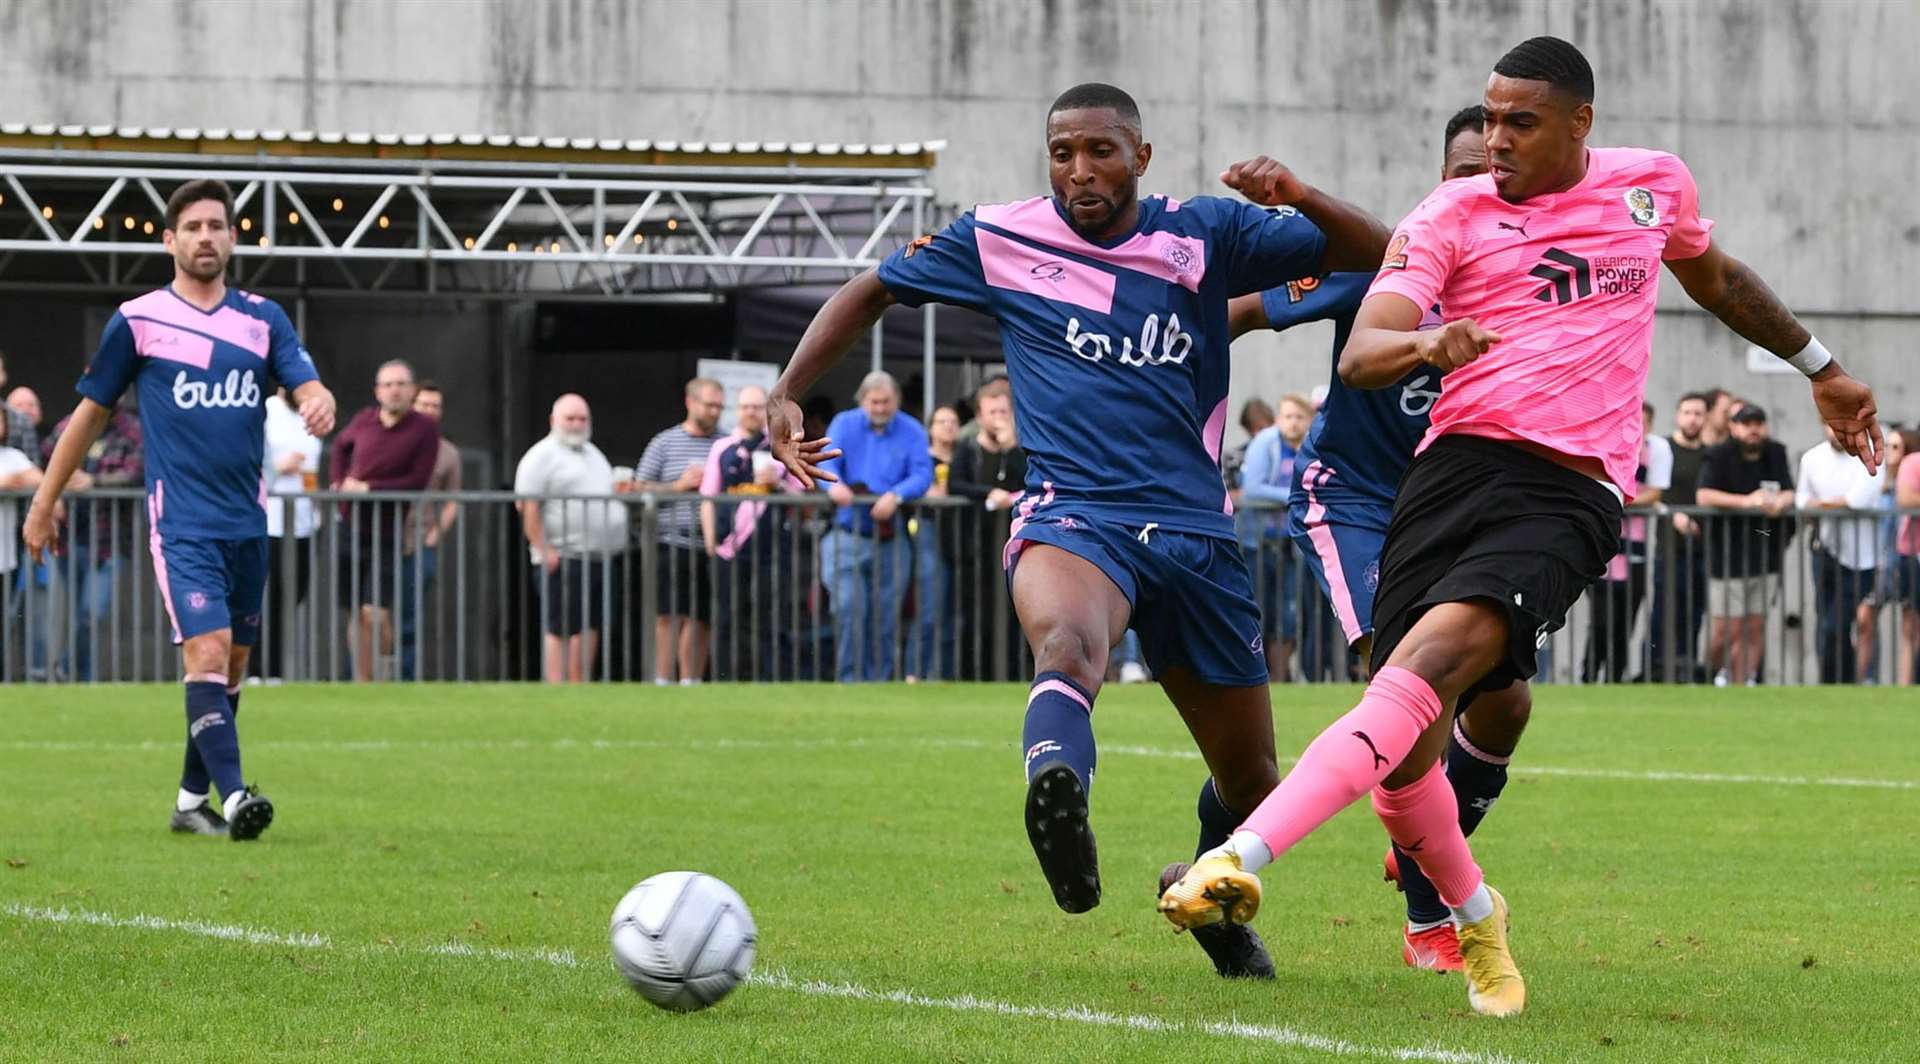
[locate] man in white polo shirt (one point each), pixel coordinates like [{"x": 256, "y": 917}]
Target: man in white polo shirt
[
  {"x": 572, "y": 535},
  {"x": 292, "y": 467},
  {"x": 1846, "y": 549}
]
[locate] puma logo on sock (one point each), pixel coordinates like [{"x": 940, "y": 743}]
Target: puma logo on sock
[{"x": 1377, "y": 759}]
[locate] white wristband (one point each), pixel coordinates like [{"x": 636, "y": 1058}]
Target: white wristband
[{"x": 1812, "y": 358}]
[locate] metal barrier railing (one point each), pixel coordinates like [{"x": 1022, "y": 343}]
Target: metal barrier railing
[{"x": 797, "y": 592}]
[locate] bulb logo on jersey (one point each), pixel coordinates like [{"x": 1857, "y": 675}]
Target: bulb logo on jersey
[
  {"x": 1415, "y": 399},
  {"x": 1173, "y": 344},
  {"x": 236, "y": 390}
]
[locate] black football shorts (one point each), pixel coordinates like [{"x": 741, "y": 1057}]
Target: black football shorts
[{"x": 1480, "y": 519}]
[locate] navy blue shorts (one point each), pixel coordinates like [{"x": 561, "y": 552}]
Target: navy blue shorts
[
  {"x": 1341, "y": 538},
  {"x": 210, "y": 584},
  {"x": 1191, "y": 594}
]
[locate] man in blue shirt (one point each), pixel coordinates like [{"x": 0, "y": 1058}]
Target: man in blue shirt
[
  {"x": 200, "y": 355},
  {"x": 865, "y": 559},
  {"x": 1344, "y": 483},
  {"x": 1113, "y": 316},
  {"x": 1266, "y": 478}
]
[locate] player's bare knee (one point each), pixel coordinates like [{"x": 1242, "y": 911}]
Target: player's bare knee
[
  {"x": 208, "y": 653},
  {"x": 1243, "y": 789},
  {"x": 1067, "y": 649},
  {"x": 1500, "y": 717},
  {"x": 1452, "y": 646}
]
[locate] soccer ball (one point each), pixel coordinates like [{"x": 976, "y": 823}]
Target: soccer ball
[{"x": 683, "y": 939}]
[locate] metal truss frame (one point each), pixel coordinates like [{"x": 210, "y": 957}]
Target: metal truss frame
[{"x": 419, "y": 232}]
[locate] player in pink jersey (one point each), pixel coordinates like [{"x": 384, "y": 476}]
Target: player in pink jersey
[{"x": 1549, "y": 266}]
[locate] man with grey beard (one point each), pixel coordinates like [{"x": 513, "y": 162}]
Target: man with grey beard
[{"x": 571, "y": 535}]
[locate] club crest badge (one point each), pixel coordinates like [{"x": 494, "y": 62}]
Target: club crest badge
[
  {"x": 1180, "y": 258},
  {"x": 1640, "y": 204}
]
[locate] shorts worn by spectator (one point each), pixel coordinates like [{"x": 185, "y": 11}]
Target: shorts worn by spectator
[
  {"x": 1747, "y": 475},
  {"x": 571, "y": 536},
  {"x": 386, "y": 447},
  {"x": 676, "y": 461}
]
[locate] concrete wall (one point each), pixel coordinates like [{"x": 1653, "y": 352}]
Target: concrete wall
[{"x": 1798, "y": 118}]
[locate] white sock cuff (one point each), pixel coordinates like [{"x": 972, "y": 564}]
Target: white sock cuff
[
  {"x": 1253, "y": 851},
  {"x": 1477, "y": 907},
  {"x": 187, "y": 801}
]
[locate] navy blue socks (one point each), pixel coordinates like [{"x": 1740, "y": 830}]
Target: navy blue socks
[
  {"x": 1478, "y": 774},
  {"x": 193, "y": 770},
  {"x": 1059, "y": 726},
  {"x": 1216, "y": 820},
  {"x": 211, "y": 731}
]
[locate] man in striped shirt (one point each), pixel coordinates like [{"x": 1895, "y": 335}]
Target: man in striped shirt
[{"x": 674, "y": 461}]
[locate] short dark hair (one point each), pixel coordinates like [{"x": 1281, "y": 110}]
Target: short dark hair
[
  {"x": 993, "y": 387},
  {"x": 1475, "y": 116},
  {"x": 1700, "y": 397},
  {"x": 1714, "y": 395},
  {"x": 1092, "y": 94},
  {"x": 430, "y": 385},
  {"x": 206, "y": 188},
  {"x": 1551, "y": 60}
]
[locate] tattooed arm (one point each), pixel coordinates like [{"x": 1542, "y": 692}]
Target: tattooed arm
[{"x": 1737, "y": 296}]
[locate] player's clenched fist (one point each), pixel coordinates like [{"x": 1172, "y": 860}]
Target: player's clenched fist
[
  {"x": 1454, "y": 344},
  {"x": 1264, "y": 181}
]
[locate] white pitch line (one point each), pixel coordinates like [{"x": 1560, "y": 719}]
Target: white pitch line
[
  {"x": 1290, "y": 1037},
  {"x": 143, "y": 922},
  {"x": 1520, "y": 768},
  {"x": 779, "y": 979}
]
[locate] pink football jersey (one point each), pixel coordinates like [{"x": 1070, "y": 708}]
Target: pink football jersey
[{"x": 1567, "y": 280}]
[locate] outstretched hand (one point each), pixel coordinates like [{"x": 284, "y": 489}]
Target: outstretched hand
[
  {"x": 1264, "y": 181},
  {"x": 801, "y": 456},
  {"x": 1847, "y": 406}
]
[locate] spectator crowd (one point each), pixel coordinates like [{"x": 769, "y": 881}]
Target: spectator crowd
[{"x": 896, "y": 574}]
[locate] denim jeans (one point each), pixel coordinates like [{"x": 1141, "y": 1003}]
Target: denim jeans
[
  {"x": 867, "y": 580},
  {"x": 934, "y": 640},
  {"x": 421, "y": 565},
  {"x": 1838, "y": 592},
  {"x": 92, "y": 600},
  {"x": 1680, "y": 604}
]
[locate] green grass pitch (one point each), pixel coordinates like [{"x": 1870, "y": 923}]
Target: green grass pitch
[{"x": 1695, "y": 875}]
